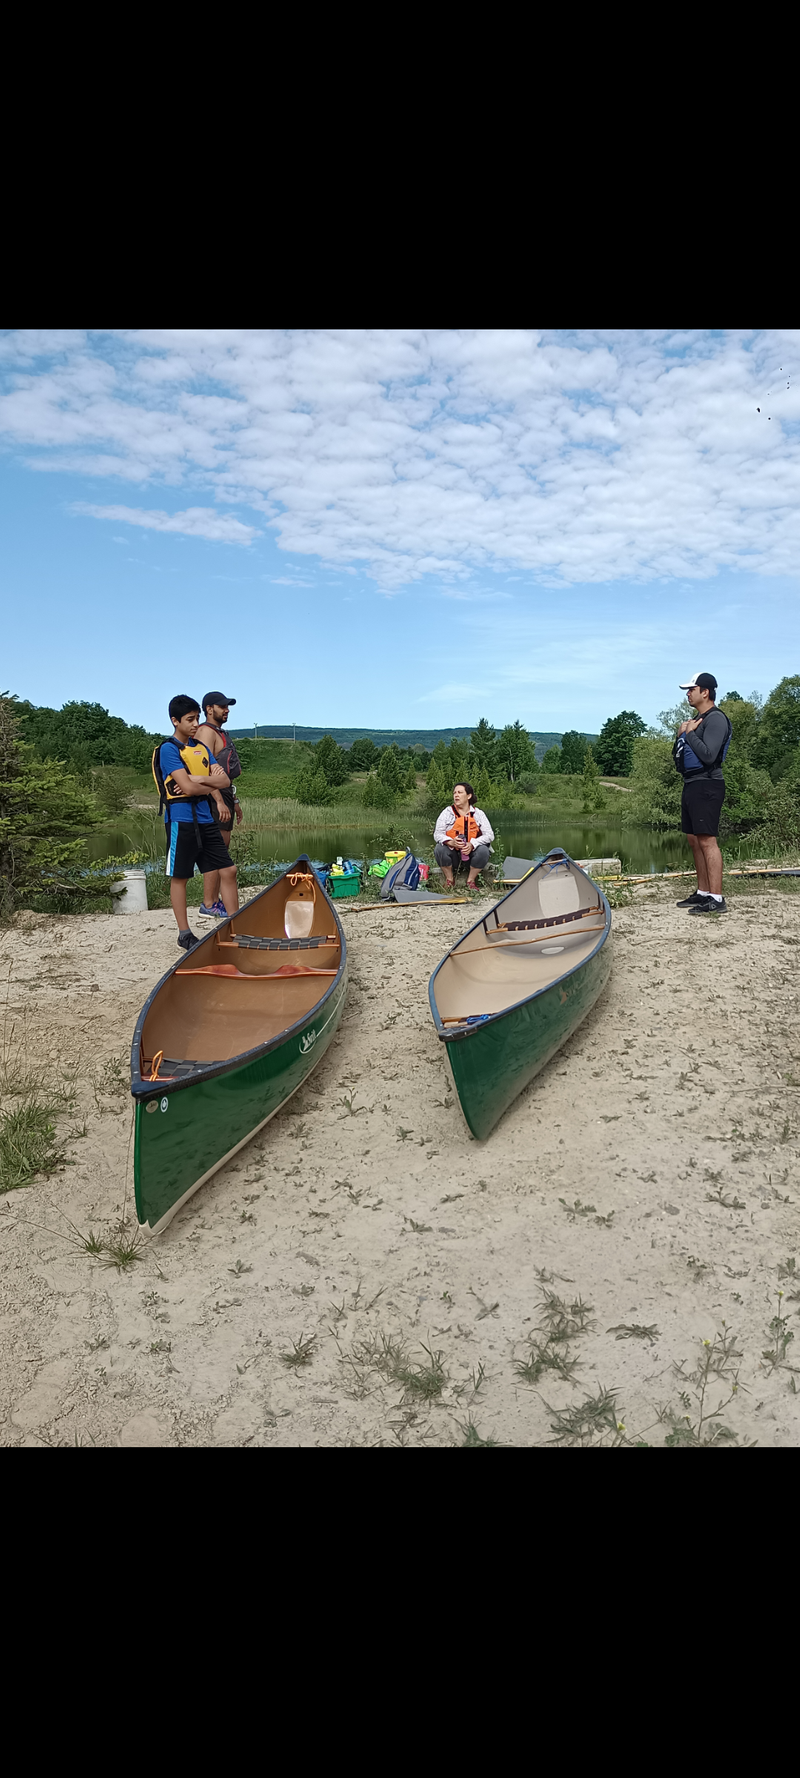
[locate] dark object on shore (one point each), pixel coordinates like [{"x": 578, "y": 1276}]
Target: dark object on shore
[
  {"x": 229, "y": 1034},
  {"x": 515, "y": 987},
  {"x": 423, "y": 896}
]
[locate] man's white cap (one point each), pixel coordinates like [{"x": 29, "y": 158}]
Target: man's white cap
[{"x": 706, "y": 679}]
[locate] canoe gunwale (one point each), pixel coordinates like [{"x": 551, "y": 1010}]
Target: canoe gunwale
[
  {"x": 467, "y": 1031},
  {"x": 142, "y": 1090}
]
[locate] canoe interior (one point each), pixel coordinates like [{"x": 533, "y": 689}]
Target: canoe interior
[
  {"x": 493, "y": 966},
  {"x": 199, "y": 1015}
]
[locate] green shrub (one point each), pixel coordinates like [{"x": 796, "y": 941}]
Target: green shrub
[
  {"x": 655, "y": 786},
  {"x": 312, "y": 786}
]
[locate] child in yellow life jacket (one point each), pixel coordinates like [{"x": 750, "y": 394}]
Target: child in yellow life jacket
[{"x": 188, "y": 781}]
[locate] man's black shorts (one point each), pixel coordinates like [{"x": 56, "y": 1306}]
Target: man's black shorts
[
  {"x": 701, "y": 805},
  {"x": 183, "y": 851}
]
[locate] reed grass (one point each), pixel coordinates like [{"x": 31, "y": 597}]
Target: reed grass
[{"x": 286, "y": 811}]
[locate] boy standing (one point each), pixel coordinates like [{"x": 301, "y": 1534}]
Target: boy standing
[{"x": 192, "y": 781}]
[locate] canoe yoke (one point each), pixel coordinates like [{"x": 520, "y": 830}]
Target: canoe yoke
[
  {"x": 554, "y": 920},
  {"x": 246, "y": 943}
]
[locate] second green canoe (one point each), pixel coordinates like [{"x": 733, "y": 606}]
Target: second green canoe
[{"x": 519, "y": 982}]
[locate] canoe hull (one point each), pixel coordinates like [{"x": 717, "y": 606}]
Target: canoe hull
[
  {"x": 193, "y": 1132},
  {"x": 492, "y": 1064}
]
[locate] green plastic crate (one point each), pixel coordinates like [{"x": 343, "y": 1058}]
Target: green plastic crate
[{"x": 339, "y": 886}]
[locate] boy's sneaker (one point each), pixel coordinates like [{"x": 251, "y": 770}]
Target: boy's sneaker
[
  {"x": 211, "y": 912},
  {"x": 221, "y": 910},
  {"x": 707, "y": 905},
  {"x": 187, "y": 941},
  {"x": 690, "y": 902}
]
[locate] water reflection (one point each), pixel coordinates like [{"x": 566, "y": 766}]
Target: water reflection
[{"x": 526, "y": 837}]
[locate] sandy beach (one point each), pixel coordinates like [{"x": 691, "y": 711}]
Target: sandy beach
[{"x": 364, "y": 1273}]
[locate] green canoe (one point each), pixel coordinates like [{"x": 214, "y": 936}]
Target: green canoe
[
  {"x": 516, "y": 986},
  {"x": 229, "y": 1034}
]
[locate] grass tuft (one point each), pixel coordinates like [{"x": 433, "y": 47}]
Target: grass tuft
[
  {"x": 28, "y": 1144},
  {"x": 124, "y": 1250},
  {"x": 301, "y": 1354}
]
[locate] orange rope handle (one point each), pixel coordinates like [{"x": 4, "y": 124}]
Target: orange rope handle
[
  {"x": 156, "y": 1064},
  {"x": 302, "y": 876}
]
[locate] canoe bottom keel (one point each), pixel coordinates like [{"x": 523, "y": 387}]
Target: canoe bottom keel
[
  {"x": 494, "y": 1062},
  {"x": 164, "y": 1221},
  {"x": 185, "y": 1135}
]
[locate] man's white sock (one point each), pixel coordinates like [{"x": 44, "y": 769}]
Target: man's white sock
[{"x": 710, "y": 897}]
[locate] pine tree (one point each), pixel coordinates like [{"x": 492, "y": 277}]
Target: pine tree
[
  {"x": 42, "y": 808},
  {"x": 390, "y": 770},
  {"x": 592, "y": 792},
  {"x": 482, "y": 749},
  {"x": 331, "y": 761},
  {"x": 573, "y": 750},
  {"x": 514, "y": 751}
]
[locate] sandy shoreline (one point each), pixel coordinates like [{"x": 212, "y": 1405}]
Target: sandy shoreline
[{"x": 337, "y": 1228}]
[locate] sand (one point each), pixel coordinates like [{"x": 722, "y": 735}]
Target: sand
[{"x": 366, "y": 1214}]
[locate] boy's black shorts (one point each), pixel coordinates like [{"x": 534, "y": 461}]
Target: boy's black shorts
[
  {"x": 701, "y": 805},
  {"x": 183, "y": 851}
]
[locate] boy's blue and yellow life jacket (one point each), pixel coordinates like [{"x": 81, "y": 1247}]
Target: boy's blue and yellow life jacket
[
  {"x": 686, "y": 760},
  {"x": 194, "y": 756}
]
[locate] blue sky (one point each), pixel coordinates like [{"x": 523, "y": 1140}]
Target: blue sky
[{"x": 401, "y": 529}]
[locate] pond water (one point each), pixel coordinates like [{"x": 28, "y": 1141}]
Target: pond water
[{"x": 525, "y": 837}]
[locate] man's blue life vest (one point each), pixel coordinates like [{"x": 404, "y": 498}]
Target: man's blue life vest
[{"x": 686, "y": 760}]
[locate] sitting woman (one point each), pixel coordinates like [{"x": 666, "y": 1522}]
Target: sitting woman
[{"x": 462, "y": 835}]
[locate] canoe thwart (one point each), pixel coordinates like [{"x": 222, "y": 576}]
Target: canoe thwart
[{"x": 240, "y": 975}]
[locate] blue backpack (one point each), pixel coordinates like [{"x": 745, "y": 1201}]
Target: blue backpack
[
  {"x": 405, "y": 873},
  {"x": 686, "y": 760}
]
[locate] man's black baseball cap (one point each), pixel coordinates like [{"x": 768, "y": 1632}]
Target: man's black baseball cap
[
  {"x": 218, "y": 697},
  {"x": 703, "y": 681}
]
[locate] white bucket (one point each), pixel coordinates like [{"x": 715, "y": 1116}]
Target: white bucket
[{"x": 130, "y": 896}]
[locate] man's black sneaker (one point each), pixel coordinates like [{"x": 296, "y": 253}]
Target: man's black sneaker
[
  {"x": 690, "y": 902},
  {"x": 707, "y": 905},
  {"x": 187, "y": 941}
]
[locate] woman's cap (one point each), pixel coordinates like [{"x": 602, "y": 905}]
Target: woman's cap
[{"x": 703, "y": 681}]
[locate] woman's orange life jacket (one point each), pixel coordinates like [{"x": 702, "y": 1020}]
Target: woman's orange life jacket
[{"x": 465, "y": 827}]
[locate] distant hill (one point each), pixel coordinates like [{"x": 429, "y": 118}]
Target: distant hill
[{"x": 383, "y": 737}]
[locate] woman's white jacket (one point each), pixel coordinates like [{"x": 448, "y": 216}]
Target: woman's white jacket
[{"x": 448, "y": 817}]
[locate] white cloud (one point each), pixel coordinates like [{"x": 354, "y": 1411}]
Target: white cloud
[
  {"x": 570, "y": 457},
  {"x": 196, "y": 521}
]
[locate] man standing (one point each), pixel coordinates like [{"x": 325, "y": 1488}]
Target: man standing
[
  {"x": 700, "y": 748},
  {"x": 216, "y": 709},
  {"x": 189, "y": 781}
]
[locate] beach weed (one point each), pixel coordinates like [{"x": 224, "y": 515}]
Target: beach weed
[
  {"x": 592, "y": 1421},
  {"x": 472, "y": 1438},
  {"x": 636, "y": 1330},
  {"x": 301, "y": 1354},
  {"x": 700, "y": 1424},
  {"x": 348, "y": 1100},
  {"x": 782, "y": 1337},
  {"x": 124, "y": 1250},
  {"x": 28, "y": 1144}
]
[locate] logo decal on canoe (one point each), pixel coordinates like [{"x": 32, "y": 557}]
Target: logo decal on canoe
[
  {"x": 308, "y": 1042},
  {"x": 164, "y": 1104}
]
